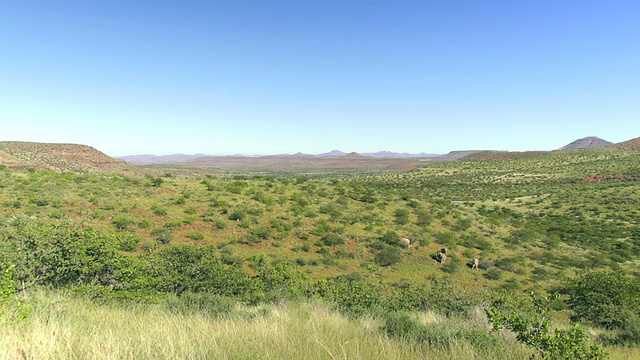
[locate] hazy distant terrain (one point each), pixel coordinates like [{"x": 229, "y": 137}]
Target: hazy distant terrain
[{"x": 82, "y": 159}]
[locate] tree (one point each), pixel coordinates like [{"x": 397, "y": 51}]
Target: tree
[{"x": 606, "y": 299}]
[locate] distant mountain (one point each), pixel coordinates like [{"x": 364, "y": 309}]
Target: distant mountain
[
  {"x": 60, "y": 157},
  {"x": 332, "y": 153},
  {"x": 459, "y": 154},
  {"x": 588, "y": 142},
  {"x": 355, "y": 155},
  {"x": 395, "y": 155},
  {"x": 158, "y": 159},
  {"x": 379, "y": 154}
]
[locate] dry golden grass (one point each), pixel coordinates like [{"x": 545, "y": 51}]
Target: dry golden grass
[{"x": 64, "y": 327}]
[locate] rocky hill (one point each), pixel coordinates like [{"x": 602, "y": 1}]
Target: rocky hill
[
  {"x": 60, "y": 157},
  {"x": 588, "y": 142}
]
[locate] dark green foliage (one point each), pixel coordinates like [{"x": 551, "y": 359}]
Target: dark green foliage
[
  {"x": 331, "y": 240},
  {"x": 127, "y": 242},
  {"x": 388, "y": 256},
  {"x": 263, "y": 232},
  {"x": 493, "y": 273},
  {"x": 279, "y": 280},
  {"x": 390, "y": 237},
  {"x": 607, "y": 299},
  {"x": 183, "y": 268},
  {"x": 451, "y": 266},
  {"x": 159, "y": 210},
  {"x": 238, "y": 214},
  {"x": 195, "y": 235},
  {"x": 236, "y": 187},
  {"x": 407, "y": 296},
  {"x": 401, "y": 216},
  {"x": 424, "y": 218},
  {"x": 462, "y": 224},
  {"x": 280, "y": 225},
  {"x": 121, "y": 222},
  {"x": 39, "y": 202},
  {"x": 65, "y": 255},
  {"x": 156, "y": 181},
  {"x": 354, "y": 296}
]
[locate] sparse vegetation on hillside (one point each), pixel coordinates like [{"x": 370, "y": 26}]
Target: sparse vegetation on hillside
[
  {"x": 534, "y": 223},
  {"x": 60, "y": 157}
]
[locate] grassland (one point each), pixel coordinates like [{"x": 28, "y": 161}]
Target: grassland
[{"x": 534, "y": 222}]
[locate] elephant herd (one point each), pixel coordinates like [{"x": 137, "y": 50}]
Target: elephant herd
[{"x": 441, "y": 255}]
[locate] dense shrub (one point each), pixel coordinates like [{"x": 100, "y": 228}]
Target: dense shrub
[
  {"x": 188, "y": 268},
  {"x": 121, "y": 222},
  {"x": 401, "y": 216},
  {"x": 279, "y": 280},
  {"x": 388, "y": 256},
  {"x": 331, "y": 240},
  {"x": 607, "y": 299},
  {"x": 354, "y": 296}
]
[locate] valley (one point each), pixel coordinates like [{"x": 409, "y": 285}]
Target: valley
[{"x": 537, "y": 223}]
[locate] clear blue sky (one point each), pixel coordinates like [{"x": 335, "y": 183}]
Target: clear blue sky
[{"x": 269, "y": 77}]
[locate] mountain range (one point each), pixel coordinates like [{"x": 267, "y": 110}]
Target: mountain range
[{"x": 86, "y": 159}]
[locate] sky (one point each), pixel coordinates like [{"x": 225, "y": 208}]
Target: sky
[{"x": 272, "y": 77}]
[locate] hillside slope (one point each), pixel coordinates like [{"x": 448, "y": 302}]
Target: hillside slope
[
  {"x": 60, "y": 157},
  {"x": 629, "y": 145}
]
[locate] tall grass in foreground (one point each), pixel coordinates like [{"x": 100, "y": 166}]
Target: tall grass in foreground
[{"x": 66, "y": 327}]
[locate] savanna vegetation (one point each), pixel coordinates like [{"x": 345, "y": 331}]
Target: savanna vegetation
[{"x": 288, "y": 266}]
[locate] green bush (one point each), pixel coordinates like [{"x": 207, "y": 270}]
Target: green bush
[
  {"x": 330, "y": 240},
  {"x": 278, "y": 279},
  {"x": 238, "y": 214},
  {"x": 603, "y": 298},
  {"x": 163, "y": 235},
  {"x": 388, "y": 256},
  {"x": 190, "y": 268},
  {"x": 127, "y": 242},
  {"x": 390, "y": 237},
  {"x": 401, "y": 216},
  {"x": 493, "y": 274},
  {"x": 195, "y": 235},
  {"x": 534, "y": 330},
  {"x": 121, "y": 222},
  {"x": 354, "y": 296}
]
